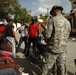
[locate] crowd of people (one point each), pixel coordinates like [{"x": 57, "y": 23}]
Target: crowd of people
[
  {"x": 8, "y": 43},
  {"x": 7, "y": 54},
  {"x": 56, "y": 31}
]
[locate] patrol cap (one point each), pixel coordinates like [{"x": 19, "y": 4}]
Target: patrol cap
[{"x": 56, "y": 7}]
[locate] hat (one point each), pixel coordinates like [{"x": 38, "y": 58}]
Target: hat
[
  {"x": 33, "y": 19},
  {"x": 56, "y": 7},
  {"x": 40, "y": 20},
  {"x": 73, "y": 11}
]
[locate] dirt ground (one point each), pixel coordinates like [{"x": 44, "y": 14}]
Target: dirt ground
[{"x": 33, "y": 68}]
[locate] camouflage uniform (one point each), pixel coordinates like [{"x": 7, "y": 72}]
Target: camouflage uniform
[{"x": 57, "y": 52}]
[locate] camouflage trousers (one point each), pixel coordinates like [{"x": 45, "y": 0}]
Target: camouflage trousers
[{"x": 54, "y": 58}]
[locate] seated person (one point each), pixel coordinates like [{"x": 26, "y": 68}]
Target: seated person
[
  {"x": 5, "y": 47},
  {"x": 4, "y": 43},
  {"x": 9, "y": 71},
  {"x": 7, "y": 65},
  {"x": 6, "y": 52},
  {"x": 8, "y": 68}
]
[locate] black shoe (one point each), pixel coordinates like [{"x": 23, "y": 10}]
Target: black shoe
[
  {"x": 27, "y": 54},
  {"x": 24, "y": 52}
]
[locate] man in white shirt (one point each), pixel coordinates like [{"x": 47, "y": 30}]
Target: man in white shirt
[{"x": 23, "y": 30}]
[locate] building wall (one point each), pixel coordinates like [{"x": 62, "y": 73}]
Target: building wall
[{"x": 73, "y": 4}]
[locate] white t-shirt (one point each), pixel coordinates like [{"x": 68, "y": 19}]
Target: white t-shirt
[
  {"x": 23, "y": 30},
  {"x": 5, "y": 22}
]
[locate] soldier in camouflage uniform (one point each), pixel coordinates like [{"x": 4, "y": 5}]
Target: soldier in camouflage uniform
[{"x": 58, "y": 27}]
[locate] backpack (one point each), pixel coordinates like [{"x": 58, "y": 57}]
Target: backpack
[{"x": 6, "y": 45}]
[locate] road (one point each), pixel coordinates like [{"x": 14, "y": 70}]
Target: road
[{"x": 33, "y": 68}]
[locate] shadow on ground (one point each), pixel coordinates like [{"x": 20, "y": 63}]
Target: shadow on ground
[
  {"x": 31, "y": 68},
  {"x": 69, "y": 73}
]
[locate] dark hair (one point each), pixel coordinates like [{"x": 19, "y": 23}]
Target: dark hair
[{"x": 9, "y": 20}]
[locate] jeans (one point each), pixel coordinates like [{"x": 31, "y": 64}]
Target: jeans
[
  {"x": 23, "y": 39},
  {"x": 9, "y": 71},
  {"x": 31, "y": 40}
]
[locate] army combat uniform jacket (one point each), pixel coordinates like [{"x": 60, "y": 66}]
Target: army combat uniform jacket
[{"x": 62, "y": 30}]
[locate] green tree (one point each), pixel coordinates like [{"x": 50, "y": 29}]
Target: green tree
[
  {"x": 43, "y": 17},
  {"x": 14, "y": 8},
  {"x": 23, "y": 14},
  {"x": 6, "y": 7}
]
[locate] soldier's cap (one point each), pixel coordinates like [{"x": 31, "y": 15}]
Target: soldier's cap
[
  {"x": 73, "y": 11},
  {"x": 56, "y": 7}
]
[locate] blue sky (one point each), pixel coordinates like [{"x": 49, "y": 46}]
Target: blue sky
[{"x": 40, "y": 6}]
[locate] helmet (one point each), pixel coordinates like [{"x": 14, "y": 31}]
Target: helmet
[{"x": 34, "y": 19}]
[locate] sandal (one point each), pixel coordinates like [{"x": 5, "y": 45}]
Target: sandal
[{"x": 21, "y": 69}]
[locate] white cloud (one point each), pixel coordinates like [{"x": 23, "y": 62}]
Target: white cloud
[
  {"x": 41, "y": 0},
  {"x": 34, "y": 3},
  {"x": 42, "y": 10},
  {"x": 39, "y": 11},
  {"x": 44, "y": 4},
  {"x": 48, "y": 3}
]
